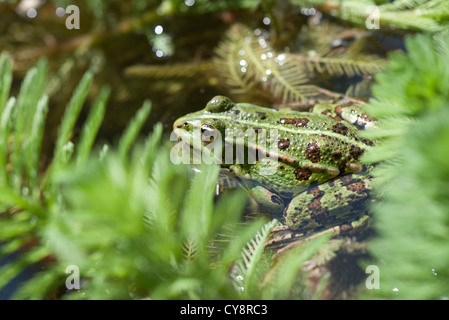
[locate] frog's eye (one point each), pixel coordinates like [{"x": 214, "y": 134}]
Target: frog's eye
[
  {"x": 219, "y": 104},
  {"x": 208, "y": 133},
  {"x": 185, "y": 125}
]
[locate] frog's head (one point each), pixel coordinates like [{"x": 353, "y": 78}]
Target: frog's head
[{"x": 204, "y": 124}]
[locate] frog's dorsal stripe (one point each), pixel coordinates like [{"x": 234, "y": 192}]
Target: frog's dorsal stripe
[
  {"x": 292, "y": 129},
  {"x": 305, "y": 164}
]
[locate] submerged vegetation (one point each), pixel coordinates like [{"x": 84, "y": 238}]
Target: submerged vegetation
[{"x": 85, "y": 176}]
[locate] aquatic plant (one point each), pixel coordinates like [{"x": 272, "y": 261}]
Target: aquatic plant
[{"x": 411, "y": 100}]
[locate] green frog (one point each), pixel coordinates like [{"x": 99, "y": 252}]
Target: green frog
[{"x": 307, "y": 171}]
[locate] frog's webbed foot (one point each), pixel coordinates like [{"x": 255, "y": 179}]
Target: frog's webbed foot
[{"x": 283, "y": 238}]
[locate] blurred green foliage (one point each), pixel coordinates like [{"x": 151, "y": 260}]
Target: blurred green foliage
[
  {"x": 134, "y": 224},
  {"x": 411, "y": 100}
]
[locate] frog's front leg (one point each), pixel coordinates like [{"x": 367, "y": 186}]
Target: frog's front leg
[
  {"x": 266, "y": 201},
  {"x": 263, "y": 201},
  {"x": 337, "y": 203}
]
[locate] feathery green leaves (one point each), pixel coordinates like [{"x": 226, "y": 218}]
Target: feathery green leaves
[
  {"x": 247, "y": 62},
  {"x": 5, "y": 80},
  {"x": 92, "y": 125},
  {"x": 411, "y": 101},
  {"x": 70, "y": 116},
  {"x": 421, "y": 15},
  {"x": 133, "y": 129},
  {"x": 340, "y": 65},
  {"x": 250, "y": 263}
]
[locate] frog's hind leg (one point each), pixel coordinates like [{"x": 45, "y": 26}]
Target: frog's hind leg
[
  {"x": 337, "y": 204},
  {"x": 347, "y": 111}
]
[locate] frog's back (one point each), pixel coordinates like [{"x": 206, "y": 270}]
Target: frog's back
[
  {"x": 302, "y": 147},
  {"x": 310, "y": 147}
]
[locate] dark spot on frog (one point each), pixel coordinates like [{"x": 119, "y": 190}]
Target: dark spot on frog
[
  {"x": 366, "y": 117},
  {"x": 357, "y": 187},
  {"x": 337, "y": 196},
  {"x": 317, "y": 212},
  {"x": 355, "y": 152},
  {"x": 339, "y": 108},
  {"x": 347, "y": 180},
  {"x": 283, "y": 144},
  {"x": 330, "y": 115},
  {"x": 297, "y": 122},
  {"x": 367, "y": 142},
  {"x": 281, "y": 167},
  {"x": 338, "y": 118},
  {"x": 340, "y": 128},
  {"x": 299, "y": 224},
  {"x": 336, "y": 153},
  {"x": 262, "y": 115},
  {"x": 342, "y": 166},
  {"x": 313, "y": 152},
  {"x": 234, "y": 111},
  {"x": 316, "y": 192},
  {"x": 302, "y": 174}
]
